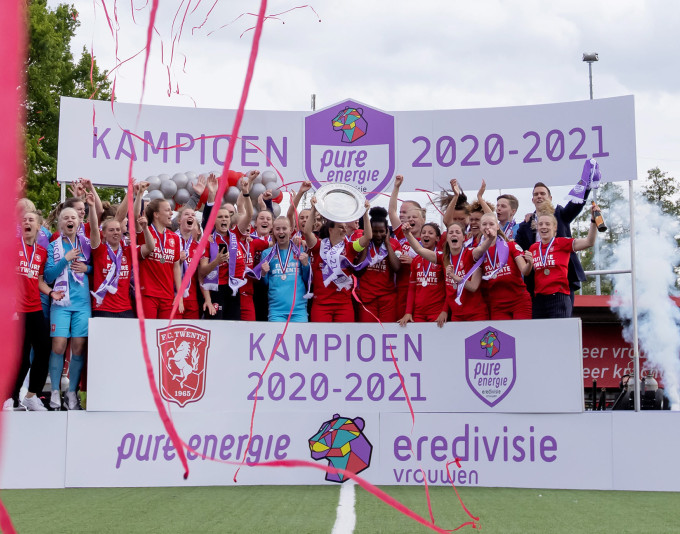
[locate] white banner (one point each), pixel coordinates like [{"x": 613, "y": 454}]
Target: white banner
[
  {"x": 351, "y": 142},
  {"x": 212, "y": 366},
  {"x": 33, "y": 450},
  {"x": 560, "y": 451}
]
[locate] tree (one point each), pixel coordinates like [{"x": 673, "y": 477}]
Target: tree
[
  {"x": 662, "y": 190},
  {"x": 51, "y": 73}
]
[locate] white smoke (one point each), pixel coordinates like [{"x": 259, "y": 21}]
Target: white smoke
[{"x": 656, "y": 255}]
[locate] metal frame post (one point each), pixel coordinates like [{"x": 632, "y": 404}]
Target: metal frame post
[{"x": 636, "y": 352}]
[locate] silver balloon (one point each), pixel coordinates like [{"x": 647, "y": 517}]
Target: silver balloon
[
  {"x": 180, "y": 179},
  {"x": 232, "y": 195},
  {"x": 275, "y": 192},
  {"x": 182, "y": 196},
  {"x": 164, "y": 177},
  {"x": 172, "y": 203},
  {"x": 255, "y": 191},
  {"x": 156, "y": 194},
  {"x": 154, "y": 182},
  {"x": 168, "y": 188},
  {"x": 191, "y": 175},
  {"x": 277, "y": 209},
  {"x": 258, "y": 179},
  {"x": 190, "y": 185},
  {"x": 268, "y": 176}
]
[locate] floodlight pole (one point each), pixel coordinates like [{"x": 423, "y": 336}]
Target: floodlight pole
[
  {"x": 636, "y": 352},
  {"x": 590, "y": 59}
]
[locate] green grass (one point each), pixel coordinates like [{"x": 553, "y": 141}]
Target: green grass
[{"x": 311, "y": 509}]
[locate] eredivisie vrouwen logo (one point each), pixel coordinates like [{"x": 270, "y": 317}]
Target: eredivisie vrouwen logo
[
  {"x": 182, "y": 362},
  {"x": 490, "y": 364},
  {"x": 350, "y": 143},
  {"x": 341, "y": 441}
]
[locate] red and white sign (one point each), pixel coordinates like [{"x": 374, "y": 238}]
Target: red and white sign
[
  {"x": 183, "y": 358},
  {"x": 607, "y": 357}
]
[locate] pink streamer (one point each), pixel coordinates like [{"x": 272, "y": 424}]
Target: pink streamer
[{"x": 12, "y": 84}]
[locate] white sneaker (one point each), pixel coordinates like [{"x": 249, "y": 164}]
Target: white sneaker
[
  {"x": 55, "y": 400},
  {"x": 33, "y": 404},
  {"x": 71, "y": 401},
  {"x": 8, "y": 405}
]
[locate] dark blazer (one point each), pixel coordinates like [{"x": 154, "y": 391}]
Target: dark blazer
[{"x": 565, "y": 215}]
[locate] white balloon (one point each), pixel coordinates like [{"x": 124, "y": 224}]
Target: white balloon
[
  {"x": 191, "y": 175},
  {"x": 168, "y": 188},
  {"x": 232, "y": 195},
  {"x": 164, "y": 177},
  {"x": 277, "y": 210},
  {"x": 155, "y": 194},
  {"x": 182, "y": 196},
  {"x": 154, "y": 182},
  {"x": 180, "y": 179}
]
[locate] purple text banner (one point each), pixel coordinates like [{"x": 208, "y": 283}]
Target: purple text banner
[{"x": 353, "y": 143}]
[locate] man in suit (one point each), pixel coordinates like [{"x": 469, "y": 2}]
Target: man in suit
[{"x": 565, "y": 215}]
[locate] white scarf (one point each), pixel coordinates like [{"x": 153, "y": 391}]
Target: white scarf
[{"x": 61, "y": 283}]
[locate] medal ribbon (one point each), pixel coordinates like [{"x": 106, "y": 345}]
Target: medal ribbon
[
  {"x": 544, "y": 257},
  {"x": 160, "y": 243},
  {"x": 507, "y": 229},
  {"x": 30, "y": 262},
  {"x": 283, "y": 266}
]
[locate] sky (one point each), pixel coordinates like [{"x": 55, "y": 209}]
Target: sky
[{"x": 397, "y": 55}]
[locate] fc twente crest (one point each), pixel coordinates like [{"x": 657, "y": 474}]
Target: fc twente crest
[{"x": 183, "y": 360}]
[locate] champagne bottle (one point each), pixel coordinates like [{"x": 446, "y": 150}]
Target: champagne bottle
[{"x": 599, "y": 220}]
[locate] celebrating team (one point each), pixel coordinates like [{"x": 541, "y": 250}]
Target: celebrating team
[{"x": 297, "y": 267}]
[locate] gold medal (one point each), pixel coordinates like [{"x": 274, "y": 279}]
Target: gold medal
[
  {"x": 546, "y": 272},
  {"x": 283, "y": 277}
]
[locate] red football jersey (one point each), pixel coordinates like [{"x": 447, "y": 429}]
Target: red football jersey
[
  {"x": 156, "y": 276},
  {"x": 471, "y": 301},
  {"x": 551, "y": 277},
  {"x": 426, "y": 293},
  {"x": 379, "y": 279},
  {"x": 101, "y": 262},
  {"x": 330, "y": 294},
  {"x": 240, "y": 257},
  {"x": 28, "y": 298},
  {"x": 508, "y": 285}
]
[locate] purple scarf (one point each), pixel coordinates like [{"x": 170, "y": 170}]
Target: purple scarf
[
  {"x": 335, "y": 261},
  {"x": 61, "y": 283},
  {"x": 590, "y": 179},
  {"x": 186, "y": 246},
  {"x": 502, "y": 258},
  {"x": 110, "y": 283},
  {"x": 211, "y": 282}
]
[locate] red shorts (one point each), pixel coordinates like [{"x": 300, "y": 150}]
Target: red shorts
[
  {"x": 517, "y": 309},
  {"x": 425, "y": 318},
  {"x": 333, "y": 313},
  {"x": 247, "y": 308},
  {"x": 191, "y": 310},
  {"x": 156, "y": 307},
  {"x": 383, "y": 307}
]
